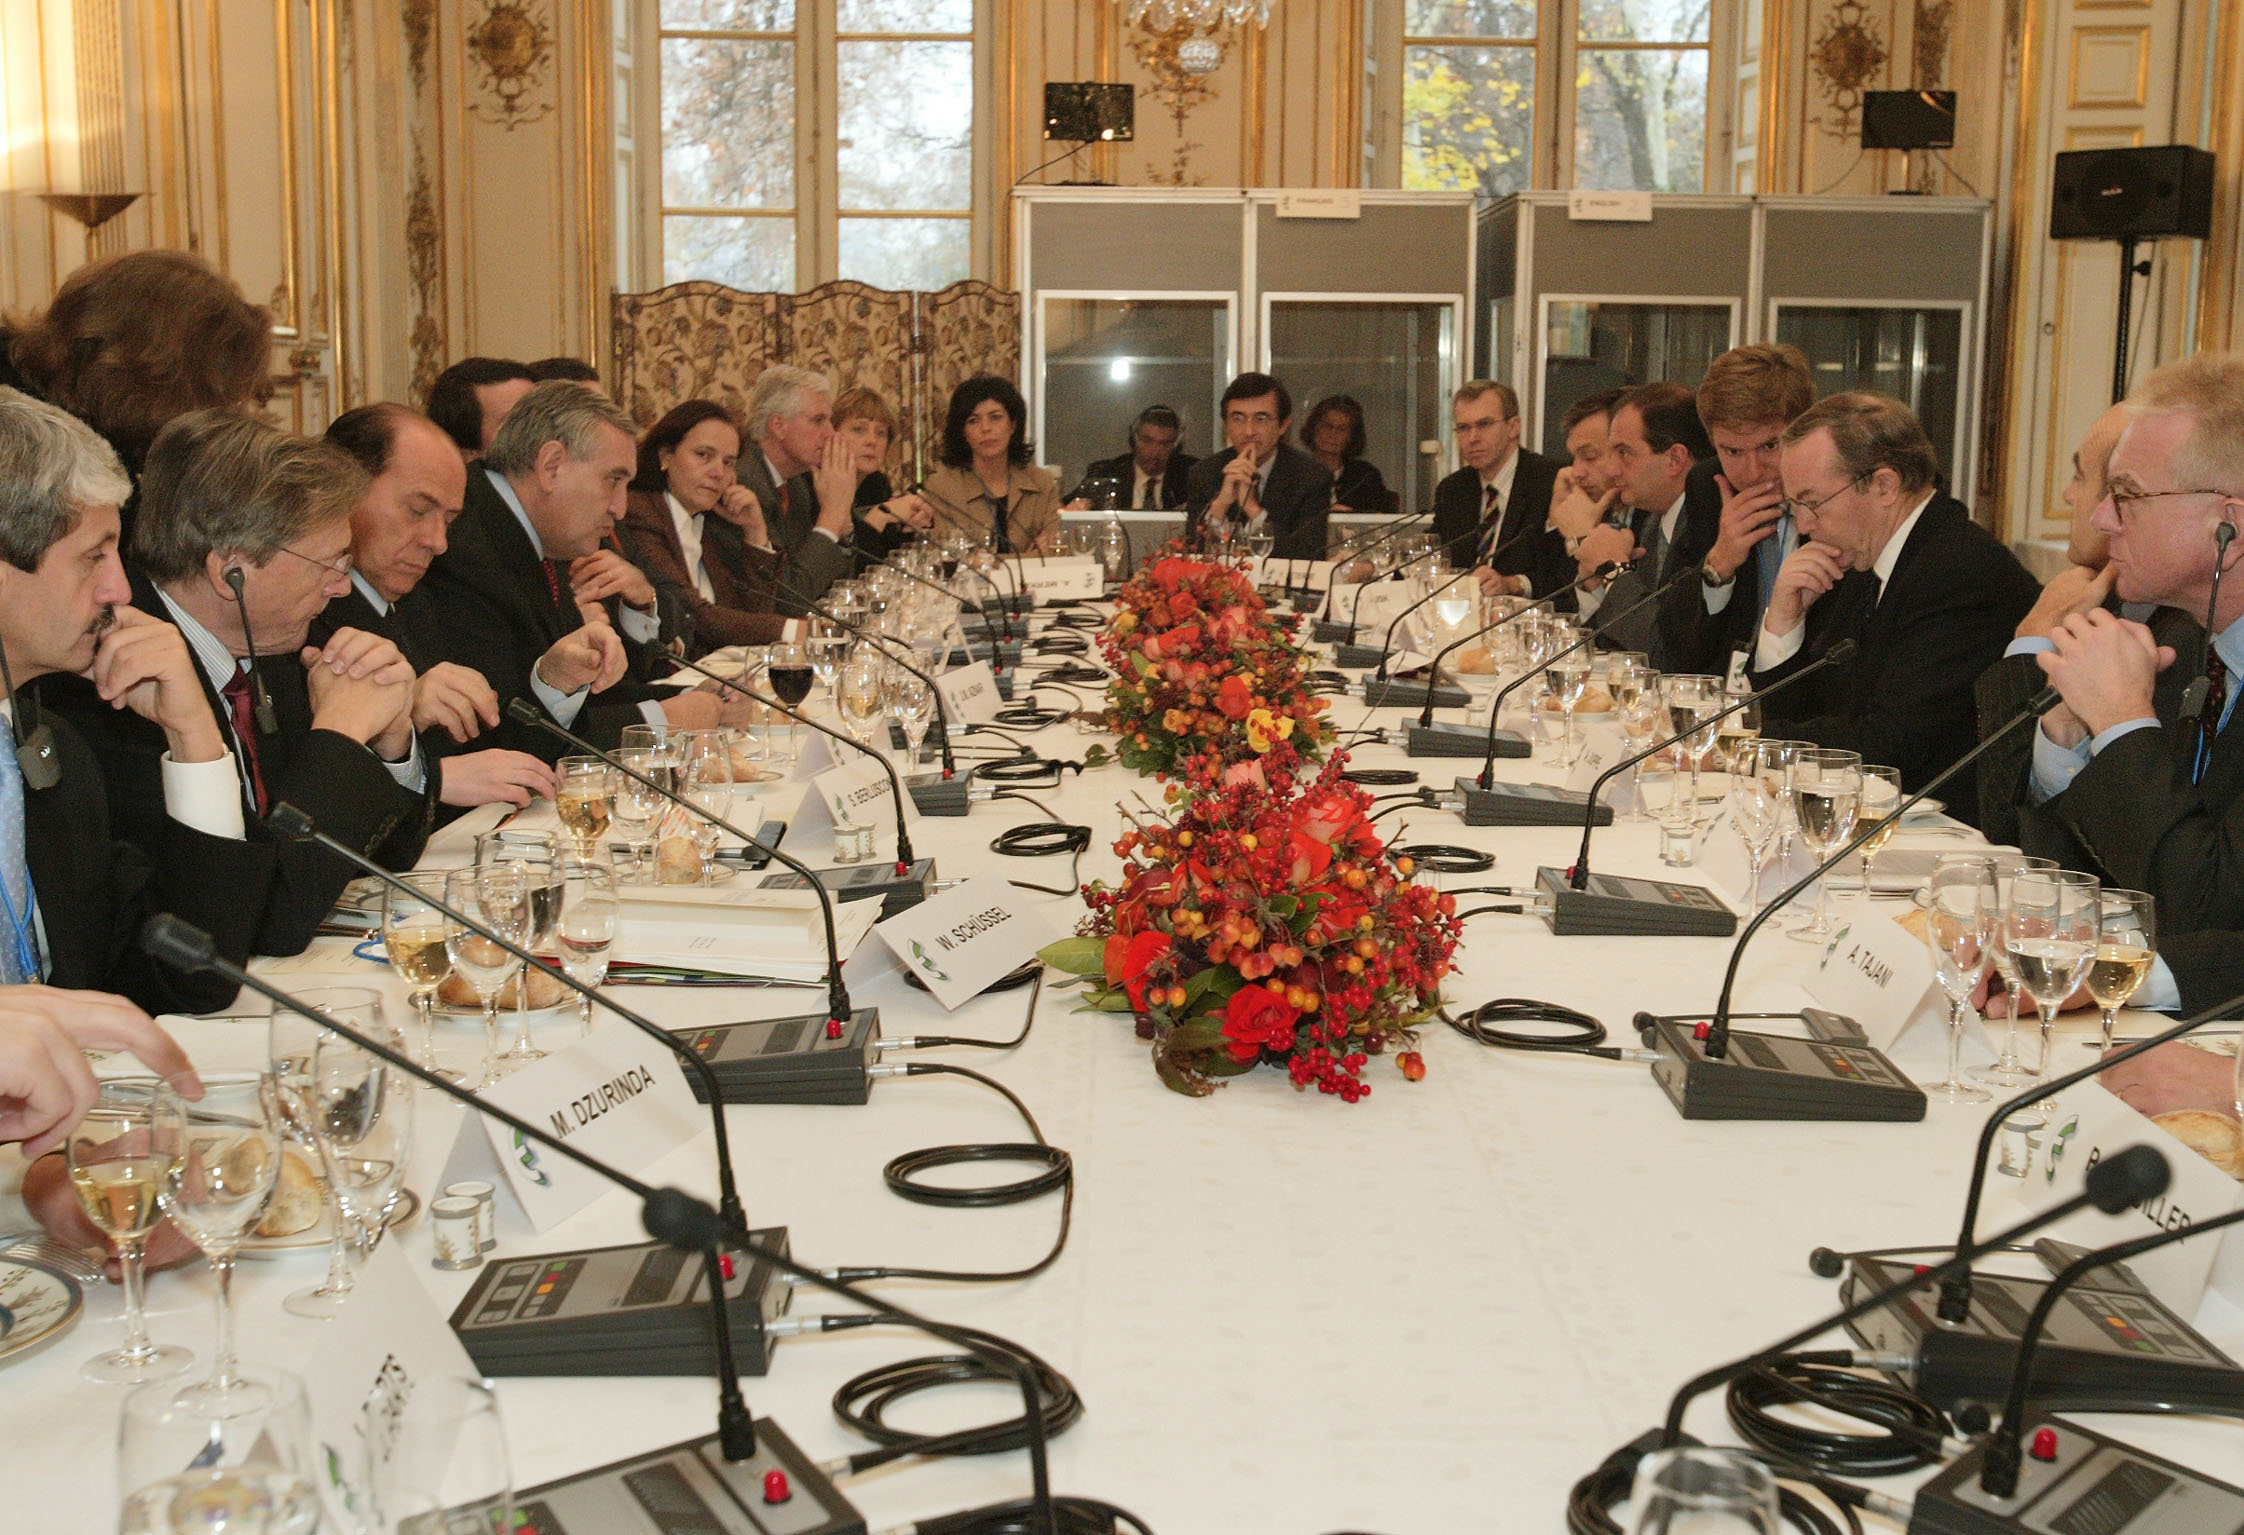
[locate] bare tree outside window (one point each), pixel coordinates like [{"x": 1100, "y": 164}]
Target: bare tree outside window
[{"x": 1640, "y": 95}]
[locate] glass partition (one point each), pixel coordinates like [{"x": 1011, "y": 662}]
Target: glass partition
[
  {"x": 1107, "y": 358},
  {"x": 1913, "y": 353},
  {"x": 1591, "y": 345},
  {"x": 1397, "y": 358}
]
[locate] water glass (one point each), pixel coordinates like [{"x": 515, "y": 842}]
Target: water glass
[
  {"x": 185, "y": 1469},
  {"x": 436, "y": 1457},
  {"x": 1963, "y": 915},
  {"x": 413, "y": 938},
  {"x": 229, "y": 1161},
  {"x": 1826, "y": 793},
  {"x": 291, "y": 1043},
  {"x": 1703, "y": 1491},
  {"x": 587, "y": 932},
  {"x": 362, "y": 1118},
  {"x": 2049, "y": 929}
]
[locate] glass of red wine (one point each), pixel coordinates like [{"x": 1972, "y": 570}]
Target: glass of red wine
[{"x": 790, "y": 675}]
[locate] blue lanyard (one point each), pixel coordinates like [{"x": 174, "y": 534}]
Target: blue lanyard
[{"x": 27, "y": 943}]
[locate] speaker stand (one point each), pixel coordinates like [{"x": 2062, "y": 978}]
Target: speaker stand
[{"x": 2129, "y": 270}]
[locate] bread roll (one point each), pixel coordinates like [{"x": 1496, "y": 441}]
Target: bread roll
[
  {"x": 678, "y": 861},
  {"x": 1477, "y": 662},
  {"x": 2215, "y": 1137},
  {"x": 545, "y": 991},
  {"x": 1595, "y": 700},
  {"x": 297, "y": 1198}
]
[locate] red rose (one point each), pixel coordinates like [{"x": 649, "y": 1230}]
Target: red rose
[
  {"x": 1139, "y": 956},
  {"x": 1325, "y": 816},
  {"x": 1310, "y": 857},
  {"x": 1254, "y": 1018},
  {"x": 1234, "y": 697}
]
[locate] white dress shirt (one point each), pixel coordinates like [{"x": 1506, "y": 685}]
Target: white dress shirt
[
  {"x": 1772, "y": 650},
  {"x": 688, "y": 527},
  {"x": 1591, "y": 598}
]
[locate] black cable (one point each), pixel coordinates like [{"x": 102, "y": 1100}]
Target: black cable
[
  {"x": 1380, "y": 778},
  {"x": 1068, "y": 644},
  {"x": 1446, "y": 858},
  {"x": 1422, "y": 799},
  {"x": 1021, "y": 770},
  {"x": 1911, "y": 1430},
  {"x": 1029, "y": 716},
  {"x": 864, "y": 1401},
  {"x": 1559, "y": 1030},
  {"x": 1482, "y": 911},
  {"x": 1078, "y": 1516},
  {"x": 1044, "y": 839}
]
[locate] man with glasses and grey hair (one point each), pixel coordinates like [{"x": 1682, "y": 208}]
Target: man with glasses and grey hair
[
  {"x": 1889, "y": 560},
  {"x": 243, "y": 536}
]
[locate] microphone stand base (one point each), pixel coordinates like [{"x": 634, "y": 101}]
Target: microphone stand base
[
  {"x": 2090, "y": 1482},
  {"x": 1406, "y": 693},
  {"x": 1617, "y": 905},
  {"x": 1526, "y": 804},
  {"x": 636, "y": 1310},
  {"x": 1444, "y": 739},
  {"x": 938, "y": 795},
  {"x": 897, "y": 892},
  {"x": 1356, "y": 657},
  {"x": 1331, "y": 631},
  {"x": 698, "y": 1489},
  {"x": 1770, "y": 1076},
  {"x": 1007, "y": 651},
  {"x": 788, "y": 1060}
]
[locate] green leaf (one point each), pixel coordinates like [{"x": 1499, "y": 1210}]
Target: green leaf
[
  {"x": 1180, "y": 1078},
  {"x": 1283, "y": 907},
  {"x": 1077, "y": 956},
  {"x": 1224, "y": 1066},
  {"x": 1195, "y": 1035},
  {"x": 1115, "y": 1001},
  {"x": 1144, "y": 667}
]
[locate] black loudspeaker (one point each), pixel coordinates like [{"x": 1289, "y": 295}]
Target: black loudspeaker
[
  {"x": 2133, "y": 194},
  {"x": 1908, "y": 119},
  {"x": 1087, "y": 112}
]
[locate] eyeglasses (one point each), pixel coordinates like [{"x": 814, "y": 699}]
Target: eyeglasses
[
  {"x": 1791, "y": 508},
  {"x": 2124, "y": 501},
  {"x": 340, "y": 566}
]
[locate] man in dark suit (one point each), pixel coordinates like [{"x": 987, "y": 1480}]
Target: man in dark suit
[
  {"x": 1652, "y": 445},
  {"x": 1258, "y": 484},
  {"x": 1151, "y": 477},
  {"x": 2131, "y": 781},
  {"x": 1745, "y": 401},
  {"x": 417, "y": 486},
  {"x": 1498, "y": 503},
  {"x": 468, "y": 400},
  {"x": 243, "y": 537},
  {"x": 804, "y": 476},
  {"x": 1896, "y": 565},
  {"x": 546, "y": 495},
  {"x": 63, "y": 613}
]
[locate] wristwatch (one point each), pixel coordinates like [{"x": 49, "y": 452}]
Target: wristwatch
[{"x": 1713, "y": 581}]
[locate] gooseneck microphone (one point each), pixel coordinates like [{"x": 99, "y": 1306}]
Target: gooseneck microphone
[
  {"x": 1609, "y": 568},
  {"x": 268, "y": 723},
  {"x": 837, "y": 992},
  {"x": 897, "y": 652},
  {"x": 1998, "y": 1474},
  {"x": 671, "y": 1216},
  {"x": 1386, "y": 644},
  {"x": 1578, "y": 876},
  {"x": 2125, "y": 1178},
  {"x": 1718, "y": 1028}
]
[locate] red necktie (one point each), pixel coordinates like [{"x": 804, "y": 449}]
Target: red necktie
[
  {"x": 553, "y": 584},
  {"x": 2216, "y": 700},
  {"x": 236, "y": 694}
]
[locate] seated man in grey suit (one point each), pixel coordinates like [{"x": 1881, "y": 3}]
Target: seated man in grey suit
[
  {"x": 804, "y": 478},
  {"x": 1654, "y": 442},
  {"x": 1258, "y": 484}
]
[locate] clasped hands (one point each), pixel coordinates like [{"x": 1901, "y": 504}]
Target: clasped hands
[{"x": 2105, "y": 668}]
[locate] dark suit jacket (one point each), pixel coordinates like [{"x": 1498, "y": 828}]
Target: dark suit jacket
[
  {"x": 95, "y": 891},
  {"x": 1614, "y": 621},
  {"x": 1906, "y": 699},
  {"x": 741, "y": 612},
  {"x": 1295, "y": 507},
  {"x": 811, "y": 561},
  {"x": 2010, "y": 684},
  {"x": 2208, "y": 966},
  {"x": 1540, "y": 556},
  {"x": 2133, "y": 818},
  {"x": 499, "y": 617},
  {"x": 1111, "y": 479},
  {"x": 1360, "y": 487},
  {"x": 339, "y": 783},
  {"x": 1691, "y": 638}
]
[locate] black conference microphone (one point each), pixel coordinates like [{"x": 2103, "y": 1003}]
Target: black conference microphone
[
  {"x": 897, "y": 651},
  {"x": 837, "y": 993},
  {"x": 1998, "y": 1475},
  {"x": 1955, "y": 1293},
  {"x": 671, "y": 1216},
  {"x": 1386, "y": 644},
  {"x": 2123, "y": 1179},
  {"x": 295, "y": 825}
]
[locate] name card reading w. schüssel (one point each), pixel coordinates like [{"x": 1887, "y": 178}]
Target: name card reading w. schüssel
[
  {"x": 961, "y": 941},
  {"x": 970, "y": 695},
  {"x": 616, "y": 1093}
]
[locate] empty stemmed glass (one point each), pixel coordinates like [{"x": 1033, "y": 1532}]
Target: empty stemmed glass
[
  {"x": 1693, "y": 699},
  {"x": 638, "y": 808},
  {"x": 1963, "y": 916},
  {"x": 1643, "y": 721},
  {"x": 119, "y": 1156},
  {"x": 362, "y": 1118},
  {"x": 858, "y": 695},
  {"x": 500, "y": 900},
  {"x": 827, "y": 648},
  {"x": 1757, "y": 806},
  {"x": 587, "y": 931},
  {"x": 2049, "y": 928},
  {"x": 214, "y": 1192},
  {"x": 413, "y": 937},
  {"x": 537, "y": 858},
  {"x": 911, "y": 705},
  {"x": 705, "y": 779},
  {"x": 1569, "y": 680},
  {"x": 1826, "y": 791},
  {"x": 2126, "y": 942},
  {"x": 292, "y": 1041}
]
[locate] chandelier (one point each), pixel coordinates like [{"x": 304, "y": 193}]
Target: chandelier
[{"x": 1200, "y": 15}]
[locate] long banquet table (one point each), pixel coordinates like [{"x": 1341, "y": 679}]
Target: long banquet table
[{"x": 1431, "y": 1311}]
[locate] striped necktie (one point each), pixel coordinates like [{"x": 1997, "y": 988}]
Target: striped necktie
[{"x": 1491, "y": 523}]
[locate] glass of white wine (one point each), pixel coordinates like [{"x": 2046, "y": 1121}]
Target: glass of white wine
[
  {"x": 1826, "y": 793},
  {"x": 1881, "y": 798},
  {"x": 2049, "y": 926},
  {"x": 2126, "y": 942},
  {"x": 217, "y": 1188},
  {"x": 585, "y": 790},
  {"x": 536, "y": 856},
  {"x": 587, "y": 931},
  {"x": 413, "y": 936},
  {"x": 190, "y": 1470},
  {"x": 1963, "y": 914},
  {"x": 119, "y": 1156}
]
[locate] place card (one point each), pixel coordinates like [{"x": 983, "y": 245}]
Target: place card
[
  {"x": 1371, "y": 607},
  {"x": 969, "y": 694},
  {"x": 1051, "y": 580},
  {"x": 1603, "y": 743},
  {"x": 971, "y": 935},
  {"x": 857, "y": 793},
  {"x": 1876, "y": 972}
]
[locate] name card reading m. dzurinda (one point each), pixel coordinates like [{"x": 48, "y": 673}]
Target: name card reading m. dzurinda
[
  {"x": 969, "y": 694},
  {"x": 616, "y": 1093},
  {"x": 961, "y": 941}
]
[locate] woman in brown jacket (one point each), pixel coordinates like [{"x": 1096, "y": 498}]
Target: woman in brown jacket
[
  {"x": 698, "y": 533},
  {"x": 988, "y": 486}
]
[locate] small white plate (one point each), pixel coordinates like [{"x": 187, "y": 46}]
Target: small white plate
[
  {"x": 319, "y": 1232},
  {"x": 37, "y": 1305}
]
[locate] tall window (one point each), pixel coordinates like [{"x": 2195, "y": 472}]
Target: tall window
[
  {"x": 878, "y": 187},
  {"x": 1640, "y": 95},
  {"x": 1469, "y": 95}
]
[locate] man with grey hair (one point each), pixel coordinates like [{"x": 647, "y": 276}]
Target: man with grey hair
[
  {"x": 541, "y": 502},
  {"x": 242, "y": 538},
  {"x": 804, "y": 479}
]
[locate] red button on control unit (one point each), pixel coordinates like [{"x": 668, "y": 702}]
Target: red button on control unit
[
  {"x": 776, "y": 1489},
  {"x": 2045, "y": 1444},
  {"x": 833, "y": 1028},
  {"x": 724, "y": 1264},
  {"x": 1702, "y": 1030}
]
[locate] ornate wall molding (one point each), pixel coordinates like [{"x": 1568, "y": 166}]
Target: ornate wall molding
[{"x": 511, "y": 47}]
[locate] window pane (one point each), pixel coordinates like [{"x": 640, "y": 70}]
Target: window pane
[
  {"x": 1468, "y": 118},
  {"x": 904, "y": 16},
  {"x": 906, "y": 254},
  {"x": 1469, "y": 18},
  {"x": 728, "y": 124},
  {"x": 907, "y": 119},
  {"x": 1913, "y": 355},
  {"x": 1644, "y": 21},
  {"x": 1640, "y": 120},
  {"x": 729, "y": 15},
  {"x": 1392, "y": 358},
  {"x": 1592, "y": 347},
  {"x": 755, "y": 254},
  {"x": 1107, "y": 359}
]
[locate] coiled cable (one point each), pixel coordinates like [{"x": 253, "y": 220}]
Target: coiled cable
[{"x": 1910, "y": 1429}]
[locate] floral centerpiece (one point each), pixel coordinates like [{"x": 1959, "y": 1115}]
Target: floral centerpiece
[
  {"x": 1265, "y": 923},
  {"x": 1201, "y": 665}
]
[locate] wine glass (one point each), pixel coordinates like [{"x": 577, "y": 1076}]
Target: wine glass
[
  {"x": 1568, "y": 676},
  {"x": 485, "y": 965},
  {"x": 791, "y": 674},
  {"x": 217, "y": 1188},
  {"x": 586, "y": 790},
  {"x": 1693, "y": 700},
  {"x": 436, "y": 1456},
  {"x": 362, "y": 1118},
  {"x": 1962, "y": 915},
  {"x": 2008, "y": 1070},
  {"x": 291, "y": 1039},
  {"x": 705, "y": 778},
  {"x": 1826, "y": 791},
  {"x": 2049, "y": 927},
  {"x": 589, "y": 915},
  {"x": 911, "y": 704},
  {"x": 413, "y": 937},
  {"x": 538, "y": 858},
  {"x": 187, "y": 1469},
  {"x": 1643, "y": 717},
  {"x": 827, "y": 648},
  {"x": 2126, "y": 940},
  {"x": 1881, "y": 800},
  {"x": 1757, "y": 805},
  {"x": 858, "y": 695},
  {"x": 1735, "y": 730},
  {"x": 119, "y": 1156},
  {"x": 638, "y": 807},
  {"x": 1774, "y": 758},
  {"x": 1703, "y": 1491}
]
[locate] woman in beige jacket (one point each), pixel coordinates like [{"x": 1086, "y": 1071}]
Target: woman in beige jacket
[{"x": 986, "y": 484}]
